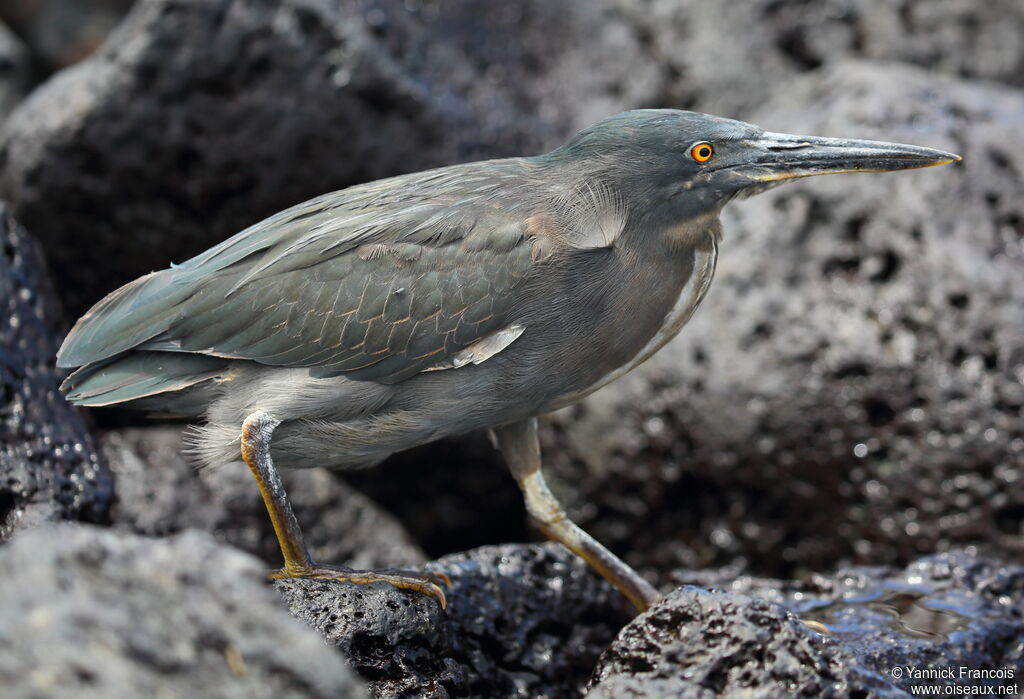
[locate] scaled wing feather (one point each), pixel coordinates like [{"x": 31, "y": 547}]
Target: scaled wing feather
[{"x": 377, "y": 282}]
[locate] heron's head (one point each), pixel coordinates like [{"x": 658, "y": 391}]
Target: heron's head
[{"x": 676, "y": 165}]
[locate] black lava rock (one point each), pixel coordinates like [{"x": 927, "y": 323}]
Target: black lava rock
[
  {"x": 88, "y": 612},
  {"x": 914, "y": 626},
  {"x": 701, "y": 644},
  {"x": 522, "y": 621},
  {"x": 49, "y": 468}
]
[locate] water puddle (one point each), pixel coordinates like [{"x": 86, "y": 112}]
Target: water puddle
[{"x": 915, "y": 612}]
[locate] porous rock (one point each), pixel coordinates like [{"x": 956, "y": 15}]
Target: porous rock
[
  {"x": 988, "y": 38},
  {"x": 91, "y": 613},
  {"x": 941, "y": 613},
  {"x": 851, "y": 387},
  {"x": 731, "y": 58},
  {"x": 522, "y": 621},
  {"x": 49, "y": 468},
  {"x": 701, "y": 644},
  {"x": 160, "y": 493}
]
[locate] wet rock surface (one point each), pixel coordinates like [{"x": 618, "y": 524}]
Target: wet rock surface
[
  {"x": 522, "y": 621},
  {"x": 939, "y": 614},
  {"x": 49, "y": 468},
  {"x": 851, "y": 387},
  {"x": 88, "y": 612},
  {"x": 160, "y": 493},
  {"x": 697, "y": 643}
]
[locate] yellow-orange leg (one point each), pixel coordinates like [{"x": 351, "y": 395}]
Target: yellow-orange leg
[
  {"x": 518, "y": 442},
  {"x": 256, "y": 433}
]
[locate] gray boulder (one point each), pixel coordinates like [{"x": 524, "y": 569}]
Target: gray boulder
[
  {"x": 960, "y": 38},
  {"x": 93, "y": 613},
  {"x": 58, "y": 33},
  {"x": 49, "y": 468},
  {"x": 729, "y": 58}
]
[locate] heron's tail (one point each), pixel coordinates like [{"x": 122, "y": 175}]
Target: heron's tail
[{"x": 134, "y": 375}]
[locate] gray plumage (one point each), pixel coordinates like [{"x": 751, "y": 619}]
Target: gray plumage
[{"x": 380, "y": 317}]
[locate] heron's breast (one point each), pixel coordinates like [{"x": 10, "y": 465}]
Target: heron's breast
[{"x": 680, "y": 308}]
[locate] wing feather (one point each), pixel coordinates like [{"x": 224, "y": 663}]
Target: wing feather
[{"x": 377, "y": 282}]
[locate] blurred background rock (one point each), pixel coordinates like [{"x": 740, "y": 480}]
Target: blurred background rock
[{"x": 851, "y": 391}]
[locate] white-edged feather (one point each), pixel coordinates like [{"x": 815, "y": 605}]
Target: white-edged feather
[{"x": 481, "y": 350}]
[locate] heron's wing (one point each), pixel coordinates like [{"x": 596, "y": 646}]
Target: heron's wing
[{"x": 377, "y": 282}]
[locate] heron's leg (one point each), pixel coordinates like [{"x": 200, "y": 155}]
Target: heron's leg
[
  {"x": 518, "y": 442},
  {"x": 256, "y": 433}
]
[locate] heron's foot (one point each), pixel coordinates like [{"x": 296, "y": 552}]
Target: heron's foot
[
  {"x": 256, "y": 434},
  {"x": 427, "y": 583}
]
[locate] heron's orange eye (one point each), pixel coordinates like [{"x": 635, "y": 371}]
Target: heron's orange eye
[{"x": 702, "y": 152}]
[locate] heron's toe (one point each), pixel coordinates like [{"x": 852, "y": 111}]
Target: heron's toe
[{"x": 426, "y": 583}]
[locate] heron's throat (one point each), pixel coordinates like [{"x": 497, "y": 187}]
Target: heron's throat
[{"x": 696, "y": 233}]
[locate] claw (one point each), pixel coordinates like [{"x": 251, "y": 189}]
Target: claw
[{"x": 443, "y": 577}]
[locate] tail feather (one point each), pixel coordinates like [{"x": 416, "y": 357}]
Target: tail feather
[
  {"x": 135, "y": 375},
  {"x": 123, "y": 319}
]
